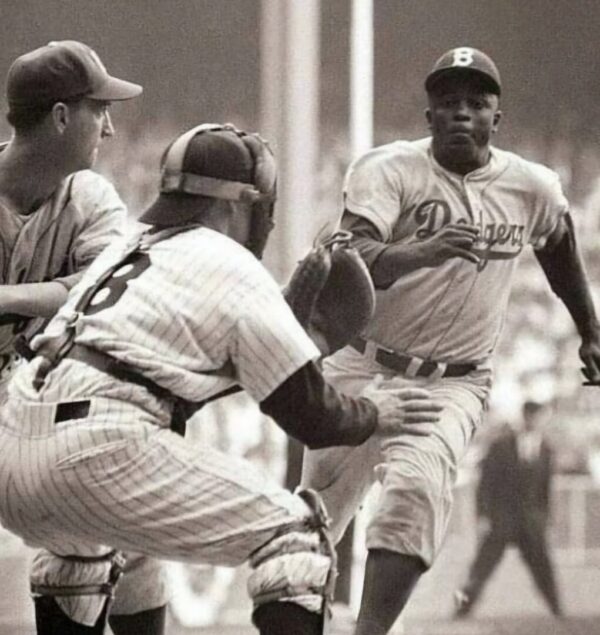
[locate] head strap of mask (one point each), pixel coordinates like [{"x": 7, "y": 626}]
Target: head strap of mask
[{"x": 174, "y": 179}]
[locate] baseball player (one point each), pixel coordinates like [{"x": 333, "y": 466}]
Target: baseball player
[
  {"x": 56, "y": 214},
  {"x": 440, "y": 222},
  {"x": 162, "y": 320}
]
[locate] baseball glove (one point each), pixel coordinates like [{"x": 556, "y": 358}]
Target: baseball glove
[{"x": 331, "y": 293}]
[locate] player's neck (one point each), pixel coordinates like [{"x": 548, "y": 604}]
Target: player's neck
[
  {"x": 462, "y": 165},
  {"x": 28, "y": 175}
]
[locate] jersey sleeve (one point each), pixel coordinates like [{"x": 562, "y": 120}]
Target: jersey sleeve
[
  {"x": 372, "y": 189},
  {"x": 270, "y": 345},
  {"x": 550, "y": 206},
  {"x": 104, "y": 215}
]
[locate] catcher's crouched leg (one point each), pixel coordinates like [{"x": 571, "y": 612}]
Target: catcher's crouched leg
[
  {"x": 72, "y": 594},
  {"x": 294, "y": 576}
]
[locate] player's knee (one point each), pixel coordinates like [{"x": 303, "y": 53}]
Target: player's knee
[
  {"x": 298, "y": 565},
  {"x": 74, "y": 591},
  {"x": 412, "y": 515}
]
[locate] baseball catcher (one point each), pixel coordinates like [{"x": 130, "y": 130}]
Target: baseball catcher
[{"x": 180, "y": 312}]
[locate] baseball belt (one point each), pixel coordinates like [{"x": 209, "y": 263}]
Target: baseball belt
[{"x": 412, "y": 366}]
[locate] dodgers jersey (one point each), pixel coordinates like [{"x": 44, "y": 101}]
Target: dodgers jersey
[
  {"x": 194, "y": 311},
  {"x": 58, "y": 240},
  {"x": 455, "y": 311}
]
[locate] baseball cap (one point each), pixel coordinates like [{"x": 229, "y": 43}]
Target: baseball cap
[
  {"x": 60, "y": 71},
  {"x": 465, "y": 59},
  {"x": 216, "y": 161}
]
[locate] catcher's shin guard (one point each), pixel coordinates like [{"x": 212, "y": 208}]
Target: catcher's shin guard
[
  {"x": 148, "y": 622},
  {"x": 61, "y": 602},
  {"x": 50, "y": 619},
  {"x": 294, "y": 576}
]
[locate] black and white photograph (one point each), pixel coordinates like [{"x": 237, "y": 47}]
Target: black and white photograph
[{"x": 299, "y": 328}]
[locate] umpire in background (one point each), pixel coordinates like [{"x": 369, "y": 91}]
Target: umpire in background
[{"x": 513, "y": 505}]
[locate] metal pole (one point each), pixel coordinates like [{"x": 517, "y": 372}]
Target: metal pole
[
  {"x": 290, "y": 106},
  {"x": 361, "y": 77},
  {"x": 290, "y": 55},
  {"x": 361, "y": 140}
]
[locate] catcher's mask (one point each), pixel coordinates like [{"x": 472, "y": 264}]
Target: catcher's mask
[{"x": 222, "y": 162}]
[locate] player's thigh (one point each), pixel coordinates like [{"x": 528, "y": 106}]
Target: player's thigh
[
  {"x": 342, "y": 476},
  {"x": 421, "y": 465},
  {"x": 447, "y": 438},
  {"x": 144, "y": 585},
  {"x": 175, "y": 501}
]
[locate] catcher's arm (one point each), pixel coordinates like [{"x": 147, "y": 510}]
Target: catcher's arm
[{"x": 307, "y": 408}]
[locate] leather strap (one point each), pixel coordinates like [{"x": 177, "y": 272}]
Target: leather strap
[{"x": 401, "y": 363}]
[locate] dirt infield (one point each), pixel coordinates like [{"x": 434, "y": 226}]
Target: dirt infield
[{"x": 510, "y": 604}]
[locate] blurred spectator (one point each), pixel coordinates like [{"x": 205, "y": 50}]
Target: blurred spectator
[{"x": 513, "y": 506}]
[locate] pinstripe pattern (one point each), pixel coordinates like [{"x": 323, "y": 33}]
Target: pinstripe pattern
[
  {"x": 204, "y": 315},
  {"x": 86, "y": 489},
  {"x": 205, "y": 303},
  {"x": 147, "y": 491}
]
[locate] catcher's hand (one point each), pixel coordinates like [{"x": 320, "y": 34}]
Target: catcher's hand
[{"x": 331, "y": 293}]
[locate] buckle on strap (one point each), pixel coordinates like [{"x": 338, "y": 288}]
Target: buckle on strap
[{"x": 117, "y": 564}]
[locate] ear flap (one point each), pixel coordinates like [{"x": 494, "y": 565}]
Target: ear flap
[{"x": 265, "y": 170}]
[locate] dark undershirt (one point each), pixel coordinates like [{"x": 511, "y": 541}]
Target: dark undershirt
[
  {"x": 309, "y": 409},
  {"x": 313, "y": 412}
]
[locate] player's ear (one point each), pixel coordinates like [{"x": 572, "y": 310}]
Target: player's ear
[
  {"x": 428, "y": 116},
  {"x": 60, "y": 116},
  {"x": 497, "y": 118}
]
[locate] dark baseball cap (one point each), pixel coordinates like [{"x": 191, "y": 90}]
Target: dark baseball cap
[
  {"x": 63, "y": 71},
  {"x": 212, "y": 160},
  {"x": 462, "y": 60}
]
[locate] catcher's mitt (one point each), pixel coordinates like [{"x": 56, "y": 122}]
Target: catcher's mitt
[{"x": 331, "y": 293}]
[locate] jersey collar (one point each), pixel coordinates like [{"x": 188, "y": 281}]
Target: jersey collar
[{"x": 496, "y": 165}]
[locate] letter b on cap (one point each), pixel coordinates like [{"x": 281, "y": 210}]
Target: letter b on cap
[{"x": 462, "y": 56}]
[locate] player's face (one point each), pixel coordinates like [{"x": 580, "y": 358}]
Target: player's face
[
  {"x": 90, "y": 124},
  {"x": 240, "y": 221},
  {"x": 462, "y": 117}
]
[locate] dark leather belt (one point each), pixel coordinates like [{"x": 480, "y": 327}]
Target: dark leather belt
[
  {"x": 112, "y": 366},
  {"x": 122, "y": 371},
  {"x": 72, "y": 410},
  {"x": 401, "y": 363},
  {"x": 105, "y": 363}
]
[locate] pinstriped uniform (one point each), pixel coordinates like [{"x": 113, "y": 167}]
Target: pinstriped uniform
[
  {"x": 203, "y": 315},
  {"x": 195, "y": 322},
  {"x": 65, "y": 233},
  {"x": 447, "y": 314}
]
